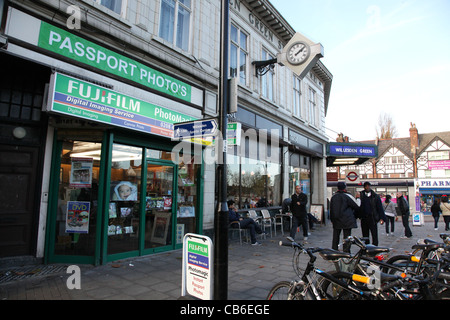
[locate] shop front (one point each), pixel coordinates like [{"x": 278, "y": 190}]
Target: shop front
[
  {"x": 114, "y": 197},
  {"x": 431, "y": 190},
  {"x": 116, "y": 193},
  {"x": 104, "y": 179}
]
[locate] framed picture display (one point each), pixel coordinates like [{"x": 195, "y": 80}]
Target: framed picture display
[
  {"x": 317, "y": 211},
  {"x": 161, "y": 227}
]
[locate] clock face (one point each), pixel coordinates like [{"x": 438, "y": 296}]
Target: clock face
[{"x": 298, "y": 53}]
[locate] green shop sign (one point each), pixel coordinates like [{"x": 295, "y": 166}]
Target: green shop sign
[
  {"x": 81, "y": 50},
  {"x": 77, "y": 98}
]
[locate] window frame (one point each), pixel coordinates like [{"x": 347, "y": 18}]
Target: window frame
[
  {"x": 312, "y": 103},
  {"x": 123, "y": 9},
  {"x": 297, "y": 96},
  {"x": 239, "y": 51},
  {"x": 268, "y": 87},
  {"x": 175, "y": 26}
]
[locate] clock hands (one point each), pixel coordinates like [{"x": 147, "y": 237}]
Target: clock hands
[{"x": 299, "y": 51}]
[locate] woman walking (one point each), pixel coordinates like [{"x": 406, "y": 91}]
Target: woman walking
[
  {"x": 389, "y": 211},
  {"x": 435, "y": 212},
  {"x": 445, "y": 208}
]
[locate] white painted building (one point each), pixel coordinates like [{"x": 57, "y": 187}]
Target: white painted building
[{"x": 75, "y": 66}]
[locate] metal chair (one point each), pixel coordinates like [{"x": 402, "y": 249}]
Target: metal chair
[
  {"x": 252, "y": 214},
  {"x": 236, "y": 226},
  {"x": 278, "y": 221},
  {"x": 266, "y": 220}
]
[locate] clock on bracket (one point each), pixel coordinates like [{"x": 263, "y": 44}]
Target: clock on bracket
[{"x": 298, "y": 53}]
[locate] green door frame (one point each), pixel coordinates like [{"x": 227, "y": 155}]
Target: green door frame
[
  {"x": 164, "y": 163},
  {"x": 101, "y": 255},
  {"x": 49, "y": 256}
]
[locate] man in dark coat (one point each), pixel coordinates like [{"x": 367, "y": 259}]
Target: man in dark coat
[
  {"x": 371, "y": 212},
  {"x": 403, "y": 207},
  {"x": 343, "y": 208},
  {"x": 299, "y": 214}
]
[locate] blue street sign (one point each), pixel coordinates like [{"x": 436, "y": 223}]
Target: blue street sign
[{"x": 195, "y": 129}]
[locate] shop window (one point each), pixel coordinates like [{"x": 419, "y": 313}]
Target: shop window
[
  {"x": 302, "y": 177},
  {"x": 253, "y": 181},
  {"x": 187, "y": 197},
  {"x": 76, "y": 217},
  {"x": 175, "y": 20},
  {"x": 124, "y": 205}
]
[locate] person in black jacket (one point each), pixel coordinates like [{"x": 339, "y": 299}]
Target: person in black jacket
[
  {"x": 299, "y": 214},
  {"x": 371, "y": 212},
  {"x": 403, "y": 207},
  {"x": 343, "y": 208}
]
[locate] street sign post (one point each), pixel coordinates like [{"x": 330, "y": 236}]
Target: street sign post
[
  {"x": 198, "y": 267},
  {"x": 195, "y": 129}
]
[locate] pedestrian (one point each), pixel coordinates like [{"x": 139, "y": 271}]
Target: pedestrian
[
  {"x": 343, "y": 209},
  {"x": 391, "y": 215},
  {"x": 403, "y": 208},
  {"x": 436, "y": 212},
  {"x": 246, "y": 223},
  {"x": 445, "y": 208},
  {"x": 371, "y": 212},
  {"x": 299, "y": 214}
]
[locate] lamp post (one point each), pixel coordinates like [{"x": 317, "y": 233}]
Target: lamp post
[{"x": 221, "y": 213}]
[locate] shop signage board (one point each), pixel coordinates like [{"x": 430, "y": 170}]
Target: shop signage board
[
  {"x": 77, "y": 98},
  {"x": 234, "y": 132},
  {"x": 352, "y": 151},
  {"x": 198, "y": 267},
  {"x": 114, "y": 61},
  {"x": 69, "y": 45}
]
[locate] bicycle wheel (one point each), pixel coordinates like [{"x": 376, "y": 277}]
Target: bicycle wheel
[
  {"x": 284, "y": 291},
  {"x": 403, "y": 262},
  {"x": 333, "y": 291}
]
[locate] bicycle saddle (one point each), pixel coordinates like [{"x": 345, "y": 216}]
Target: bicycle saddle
[
  {"x": 372, "y": 250},
  {"x": 330, "y": 254},
  {"x": 430, "y": 246}
]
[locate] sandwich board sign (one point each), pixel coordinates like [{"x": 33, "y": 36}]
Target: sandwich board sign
[{"x": 198, "y": 265}]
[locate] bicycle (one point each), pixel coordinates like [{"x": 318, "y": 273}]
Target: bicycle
[{"x": 310, "y": 285}]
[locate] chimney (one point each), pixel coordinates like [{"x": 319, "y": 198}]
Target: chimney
[{"x": 414, "y": 136}]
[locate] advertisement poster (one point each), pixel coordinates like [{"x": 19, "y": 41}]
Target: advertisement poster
[
  {"x": 81, "y": 173},
  {"x": 77, "y": 217}
]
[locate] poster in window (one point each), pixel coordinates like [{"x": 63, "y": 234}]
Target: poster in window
[
  {"x": 124, "y": 191},
  {"x": 81, "y": 173},
  {"x": 161, "y": 227},
  {"x": 186, "y": 212},
  {"x": 317, "y": 211},
  {"x": 77, "y": 217}
]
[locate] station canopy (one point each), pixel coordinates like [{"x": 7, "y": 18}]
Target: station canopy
[{"x": 349, "y": 154}]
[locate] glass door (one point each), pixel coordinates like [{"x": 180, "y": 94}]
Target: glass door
[
  {"x": 124, "y": 208},
  {"x": 74, "y": 219},
  {"x": 159, "y": 206}
]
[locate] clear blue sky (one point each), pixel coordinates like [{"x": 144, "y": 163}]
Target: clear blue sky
[{"x": 386, "y": 56}]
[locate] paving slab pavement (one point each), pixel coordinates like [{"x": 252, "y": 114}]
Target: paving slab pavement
[{"x": 252, "y": 270}]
